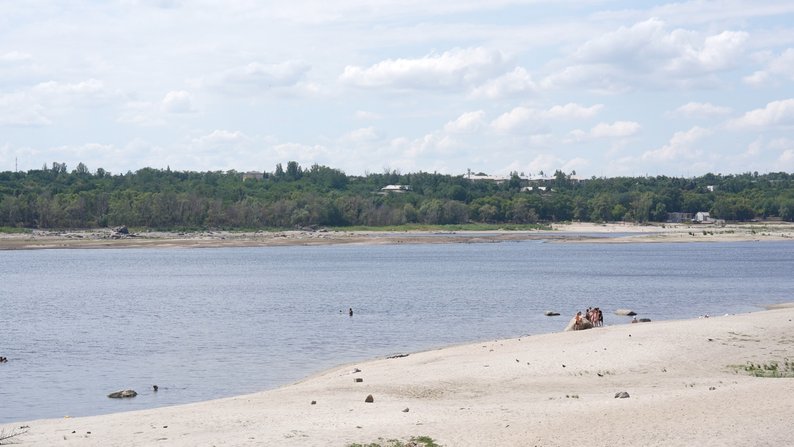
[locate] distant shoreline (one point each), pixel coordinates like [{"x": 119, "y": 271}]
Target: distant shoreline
[{"x": 567, "y": 233}]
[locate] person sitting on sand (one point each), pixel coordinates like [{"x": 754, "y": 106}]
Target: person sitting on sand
[{"x": 577, "y": 324}]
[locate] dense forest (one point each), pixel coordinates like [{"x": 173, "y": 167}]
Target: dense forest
[{"x": 54, "y": 197}]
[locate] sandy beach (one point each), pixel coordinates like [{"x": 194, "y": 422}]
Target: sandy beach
[
  {"x": 686, "y": 382},
  {"x": 565, "y": 232}
]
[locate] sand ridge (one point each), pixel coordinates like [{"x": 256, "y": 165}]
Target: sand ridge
[{"x": 564, "y": 232}]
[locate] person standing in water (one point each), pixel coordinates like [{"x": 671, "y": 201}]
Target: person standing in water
[{"x": 351, "y": 311}]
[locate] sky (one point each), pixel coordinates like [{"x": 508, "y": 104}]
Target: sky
[{"x": 599, "y": 87}]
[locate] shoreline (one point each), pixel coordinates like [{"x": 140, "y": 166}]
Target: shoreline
[
  {"x": 683, "y": 377},
  {"x": 560, "y": 233}
]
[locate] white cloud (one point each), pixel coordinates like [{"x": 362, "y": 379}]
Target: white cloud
[
  {"x": 14, "y": 56},
  {"x": 452, "y": 69},
  {"x": 547, "y": 163},
  {"x": 509, "y": 85},
  {"x": 574, "y": 164},
  {"x": 715, "y": 53},
  {"x": 699, "y": 12},
  {"x": 145, "y": 113},
  {"x": 785, "y": 147},
  {"x": 648, "y": 45},
  {"x": 647, "y": 52},
  {"x": 86, "y": 88},
  {"x": 572, "y": 111},
  {"x": 40, "y": 104},
  {"x": 257, "y": 77},
  {"x": 757, "y": 79},
  {"x": 615, "y": 130},
  {"x": 776, "y": 113},
  {"x": 618, "y": 129},
  {"x": 781, "y": 66},
  {"x": 524, "y": 116},
  {"x": 513, "y": 119},
  {"x": 304, "y": 154},
  {"x": 679, "y": 146},
  {"x": 599, "y": 78},
  {"x": 178, "y": 101},
  {"x": 781, "y": 144},
  {"x": 18, "y": 69},
  {"x": 141, "y": 113},
  {"x": 221, "y": 137},
  {"x": 701, "y": 109},
  {"x": 466, "y": 123},
  {"x": 365, "y": 115},
  {"x": 787, "y": 159},
  {"x": 639, "y": 42},
  {"x": 363, "y": 135},
  {"x": 18, "y": 109},
  {"x": 754, "y": 148}
]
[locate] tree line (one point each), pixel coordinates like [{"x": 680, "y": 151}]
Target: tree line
[{"x": 54, "y": 197}]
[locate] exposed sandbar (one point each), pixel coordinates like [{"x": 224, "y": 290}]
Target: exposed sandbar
[{"x": 571, "y": 232}]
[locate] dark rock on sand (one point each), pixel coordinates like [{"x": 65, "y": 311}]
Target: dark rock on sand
[
  {"x": 369, "y": 399},
  {"x": 621, "y": 395}
]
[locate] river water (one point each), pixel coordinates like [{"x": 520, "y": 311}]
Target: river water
[{"x": 208, "y": 323}]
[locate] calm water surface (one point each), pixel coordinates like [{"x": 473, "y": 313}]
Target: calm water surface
[{"x": 208, "y": 323}]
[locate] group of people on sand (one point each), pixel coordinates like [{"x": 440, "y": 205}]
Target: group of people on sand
[{"x": 592, "y": 315}]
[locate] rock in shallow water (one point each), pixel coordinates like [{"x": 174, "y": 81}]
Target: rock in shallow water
[{"x": 122, "y": 394}]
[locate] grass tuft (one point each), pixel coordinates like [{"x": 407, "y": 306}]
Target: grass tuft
[
  {"x": 417, "y": 441},
  {"x": 769, "y": 369}
]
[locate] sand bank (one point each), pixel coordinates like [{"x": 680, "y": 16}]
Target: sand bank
[
  {"x": 547, "y": 390},
  {"x": 570, "y": 232}
]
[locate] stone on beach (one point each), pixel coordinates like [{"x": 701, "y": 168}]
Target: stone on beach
[{"x": 585, "y": 324}]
